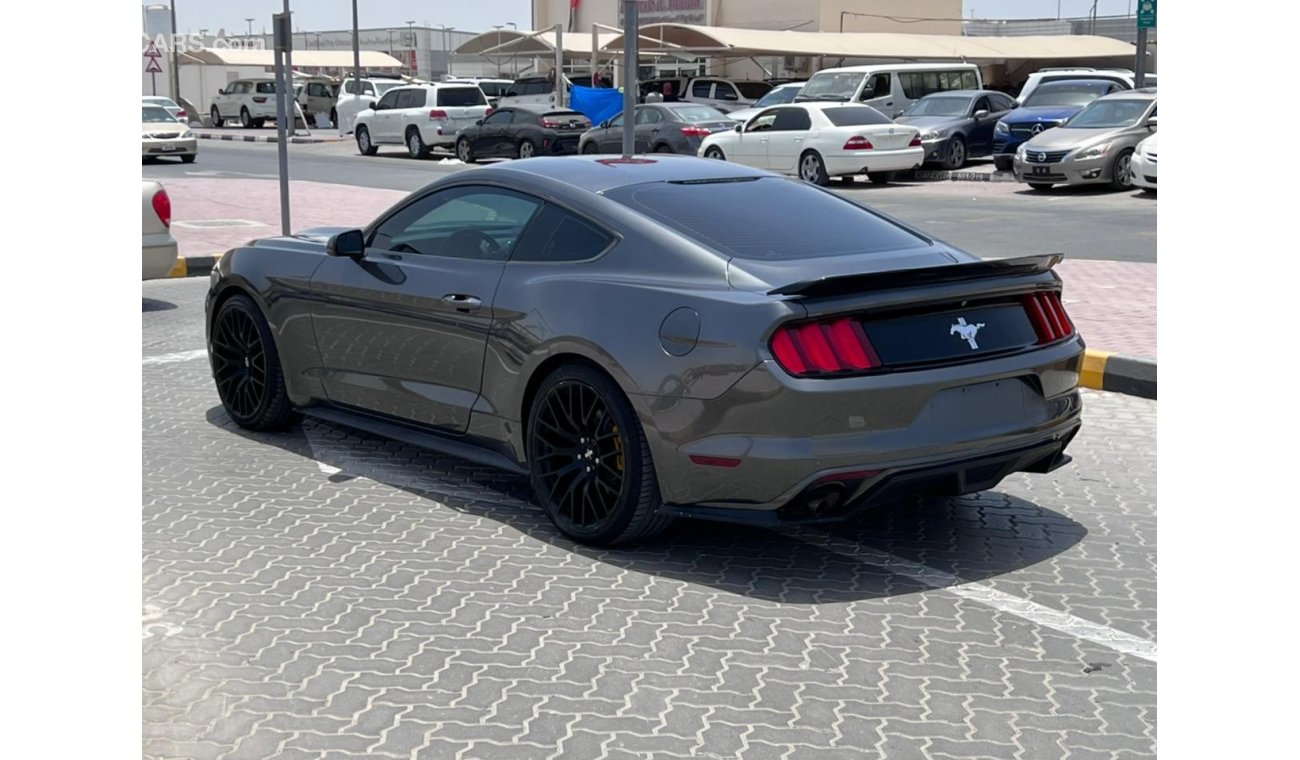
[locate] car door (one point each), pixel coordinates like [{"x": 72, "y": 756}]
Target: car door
[
  {"x": 649, "y": 121},
  {"x": 980, "y": 135},
  {"x": 227, "y": 104},
  {"x": 610, "y": 140},
  {"x": 878, "y": 92},
  {"x": 786, "y": 140},
  {"x": 998, "y": 105},
  {"x": 488, "y": 142},
  {"x": 410, "y": 109},
  {"x": 402, "y": 330},
  {"x": 750, "y": 147},
  {"x": 382, "y": 124}
]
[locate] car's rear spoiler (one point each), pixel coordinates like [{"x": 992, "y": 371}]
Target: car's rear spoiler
[{"x": 898, "y": 278}]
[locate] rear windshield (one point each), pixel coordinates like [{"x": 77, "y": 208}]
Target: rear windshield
[
  {"x": 856, "y": 116},
  {"x": 753, "y": 90},
  {"x": 1066, "y": 94},
  {"x": 461, "y": 97},
  {"x": 768, "y": 218}
]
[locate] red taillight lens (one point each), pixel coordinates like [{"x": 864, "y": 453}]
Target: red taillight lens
[
  {"x": 1048, "y": 316},
  {"x": 181, "y": 115},
  {"x": 162, "y": 206},
  {"x": 437, "y": 115},
  {"x": 858, "y": 142},
  {"x": 818, "y": 348},
  {"x": 916, "y": 141},
  {"x": 695, "y": 132},
  {"x": 488, "y": 112}
]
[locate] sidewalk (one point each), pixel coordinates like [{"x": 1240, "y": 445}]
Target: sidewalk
[
  {"x": 267, "y": 134},
  {"x": 1112, "y": 303}
]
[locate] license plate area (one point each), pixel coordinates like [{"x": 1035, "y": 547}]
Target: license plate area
[{"x": 951, "y": 335}]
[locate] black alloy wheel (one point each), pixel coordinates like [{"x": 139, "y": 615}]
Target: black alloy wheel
[{"x": 246, "y": 367}]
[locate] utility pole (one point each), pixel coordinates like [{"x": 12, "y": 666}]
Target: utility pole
[
  {"x": 631, "y": 38},
  {"x": 415, "y": 64},
  {"x": 174, "y": 76},
  {"x": 250, "y": 26},
  {"x": 356, "y": 53},
  {"x": 283, "y": 37}
]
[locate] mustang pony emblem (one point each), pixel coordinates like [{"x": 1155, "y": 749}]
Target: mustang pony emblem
[{"x": 966, "y": 332}]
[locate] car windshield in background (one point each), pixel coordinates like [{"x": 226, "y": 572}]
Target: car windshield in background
[
  {"x": 855, "y": 116},
  {"x": 1109, "y": 114},
  {"x": 753, "y": 90},
  {"x": 383, "y": 87},
  {"x": 788, "y": 219},
  {"x": 941, "y": 106},
  {"x": 778, "y": 97},
  {"x": 696, "y": 114},
  {"x": 1065, "y": 95},
  {"x": 161, "y": 102},
  {"x": 155, "y": 114},
  {"x": 494, "y": 89},
  {"x": 461, "y": 97},
  {"x": 831, "y": 86}
]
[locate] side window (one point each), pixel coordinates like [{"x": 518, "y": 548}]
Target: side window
[
  {"x": 877, "y": 86},
  {"x": 463, "y": 222},
  {"x": 389, "y": 100},
  {"x": 649, "y": 116},
  {"x": 725, "y": 91},
  {"x": 557, "y": 235},
  {"x": 791, "y": 120},
  {"x": 968, "y": 81},
  {"x": 411, "y": 99},
  {"x": 617, "y": 121},
  {"x": 762, "y": 122},
  {"x": 701, "y": 88},
  {"x": 983, "y": 105},
  {"x": 1001, "y": 103},
  {"x": 499, "y": 118},
  {"x": 266, "y": 88}
]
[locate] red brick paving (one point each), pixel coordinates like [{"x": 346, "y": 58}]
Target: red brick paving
[{"x": 1112, "y": 303}]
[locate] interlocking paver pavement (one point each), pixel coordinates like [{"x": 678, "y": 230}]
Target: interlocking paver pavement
[{"x": 322, "y": 593}]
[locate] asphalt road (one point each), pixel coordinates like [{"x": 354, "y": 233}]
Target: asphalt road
[
  {"x": 320, "y": 593},
  {"x": 987, "y": 219}
]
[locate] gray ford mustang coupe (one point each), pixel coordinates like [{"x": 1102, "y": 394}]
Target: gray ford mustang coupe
[{"x": 653, "y": 338}]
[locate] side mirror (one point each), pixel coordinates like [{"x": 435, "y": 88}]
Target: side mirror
[
  {"x": 1015, "y": 104},
  {"x": 373, "y": 106},
  {"x": 1151, "y": 123},
  {"x": 980, "y": 114},
  {"x": 478, "y": 123},
  {"x": 740, "y": 127},
  {"x": 350, "y": 243},
  {"x": 604, "y": 124},
  {"x": 221, "y": 92}
]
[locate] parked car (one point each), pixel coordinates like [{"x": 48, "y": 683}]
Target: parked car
[
  {"x": 1094, "y": 146},
  {"x": 608, "y": 329},
  {"x": 538, "y": 90},
  {"x": 162, "y": 135},
  {"x": 1143, "y": 165},
  {"x": 178, "y": 113},
  {"x": 493, "y": 89},
  {"x": 251, "y": 101},
  {"x": 158, "y": 247},
  {"x": 1049, "y": 106},
  {"x": 778, "y": 95},
  {"x": 723, "y": 94},
  {"x": 522, "y": 132},
  {"x": 420, "y": 117},
  {"x": 1043, "y": 76},
  {"x": 957, "y": 125},
  {"x": 817, "y": 141},
  {"x": 659, "y": 128},
  {"x": 317, "y": 96},
  {"x": 356, "y": 96},
  {"x": 889, "y": 87}
]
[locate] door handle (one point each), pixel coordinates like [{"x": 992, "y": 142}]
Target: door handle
[{"x": 463, "y": 302}]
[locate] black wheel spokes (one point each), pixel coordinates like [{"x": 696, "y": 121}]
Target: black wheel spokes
[
  {"x": 239, "y": 363},
  {"x": 577, "y": 450}
]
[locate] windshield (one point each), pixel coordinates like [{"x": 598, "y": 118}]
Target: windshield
[
  {"x": 777, "y": 97},
  {"x": 831, "y": 85},
  {"x": 697, "y": 114},
  {"x": 939, "y": 106},
  {"x": 155, "y": 114},
  {"x": 1065, "y": 94},
  {"x": 383, "y": 87},
  {"x": 163, "y": 102},
  {"x": 1109, "y": 114}
]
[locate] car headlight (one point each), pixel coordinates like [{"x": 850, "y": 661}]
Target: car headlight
[
  {"x": 187, "y": 134},
  {"x": 1020, "y": 152},
  {"x": 1096, "y": 151},
  {"x": 933, "y": 134},
  {"x": 1002, "y": 128}
]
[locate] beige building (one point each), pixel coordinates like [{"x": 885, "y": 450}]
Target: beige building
[{"x": 799, "y": 15}]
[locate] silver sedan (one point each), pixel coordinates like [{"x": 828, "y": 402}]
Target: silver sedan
[{"x": 1094, "y": 147}]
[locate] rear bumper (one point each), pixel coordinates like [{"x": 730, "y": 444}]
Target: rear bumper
[
  {"x": 865, "y": 161},
  {"x": 789, "y": 433},
  {"x": 159, "y": 256}
]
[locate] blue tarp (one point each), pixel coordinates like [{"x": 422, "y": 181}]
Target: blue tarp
[{"x": 596, "y": 103}]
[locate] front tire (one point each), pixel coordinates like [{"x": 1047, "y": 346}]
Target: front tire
[
  {"x": 715, "y": 153},
  {"x": 415, "y": 144},
  {"x": 527, "y": 149},
  {"x": 589, "y": 148},
  {"x": 1040, "y": 186},
  {"x": 1003, "y": 163},
  {"x": 464, "y": 152},
  {"x": 188, "y": 159},
  {"x": 246, "y": 367},
  {"x": 813, "y": 169},
  {"x": 663, "y": 148},
  {"x": 216, "y": 118},
  {"x": 881, "y": 178},
  {"x": 955, "y": 156},
  {"x": 364, "y": 146},
  {"x": 589, "y": 460},
  {"x": 1121, "y": 172}
]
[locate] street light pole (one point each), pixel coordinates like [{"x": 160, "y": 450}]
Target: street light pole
[
  {"x": 175, "y": 78},
  {"x": 250, "y": 26},
  {"x": 631, "y": 37},
  {"x": 410, "y": 30},
  {"x": 356, "y": 54},
  {"x": 498, "y": 28}
]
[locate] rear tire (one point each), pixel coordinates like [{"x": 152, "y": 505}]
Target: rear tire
[
  {"x": 715, "y": 153},
  {"x": 589, "y": 460},
  {"x": 813, "y": 169},
  {"x": 216, "y": 118},
  {"x": 881, "y": 178},
  {"x": 664, "y": 148},
  {"x": 590, "y": 148},
  {"x": 246, "y": 367},
  {"x": 415, "y": 144},
  {"x": 464, "y": 151},
  {"x": 259, "y": 123},
  {"x": 364, "y": 146},
  {"x": 245, "y": 118}
]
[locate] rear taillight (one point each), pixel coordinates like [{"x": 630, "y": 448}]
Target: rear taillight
[
  {"x": 1048, "y": 316},
  {"x": 181, "y": 115},
  {"x": 916, "y": 141},
  {"x": 822, "y": 348},
  {"x": 162, "y": 206},
  {"x": 488, "y": 112},
  {"x": 696, "y": 132},
  {"x": 437, "y": 115},
  {"x": 858, "y": 142}
]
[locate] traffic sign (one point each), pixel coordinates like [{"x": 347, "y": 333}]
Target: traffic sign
[
  {"x": 1146, "y": 17},
  {"x": 153, "y": 67},
  {"x": 152, "y": 51}
]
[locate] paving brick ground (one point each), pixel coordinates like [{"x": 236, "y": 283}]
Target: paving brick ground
[{"x": 323, "y": 594}]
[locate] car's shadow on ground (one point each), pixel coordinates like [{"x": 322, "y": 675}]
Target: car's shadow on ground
[
  {"x": 153, "y": 304},
  {"x": 1070, "y": 191},
  {"x": 887, "y": 552}
]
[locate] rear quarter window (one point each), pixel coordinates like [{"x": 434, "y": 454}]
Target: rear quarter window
[
  {"x": 796, "y": 221},
  {"x": 557, "y": 235}
]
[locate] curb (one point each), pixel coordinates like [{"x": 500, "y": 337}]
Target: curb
[
  {"x": 269, "y": 139},
  {"x": 1105, "y": 371},
  {"x": 194, "y": 266},
  {"x": 937, "y": 175}
]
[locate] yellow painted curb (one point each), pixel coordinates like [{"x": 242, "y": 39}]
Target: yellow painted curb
[
  {"x": 1094, "y": 368},
  {"x": 179, "y": 269}
]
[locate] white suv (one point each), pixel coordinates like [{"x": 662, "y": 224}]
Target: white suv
[
  {"x": 250, "y": 101},
  {"x": 1043, "y": 76},
  {"x": 420, "y": 117},
  {"x": 356, "y": 96}
]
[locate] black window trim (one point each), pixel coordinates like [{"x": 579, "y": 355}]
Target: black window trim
[
  {"x": 369, "y": 232},
  {"x": 615, "y": 237}
]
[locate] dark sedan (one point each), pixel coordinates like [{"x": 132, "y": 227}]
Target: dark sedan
[
  {"x": 522, "y": 132},
  {"x": 660, "y": 128},
  {"x": 606, "y": 327},
  {"x": 957, "y": 125}
]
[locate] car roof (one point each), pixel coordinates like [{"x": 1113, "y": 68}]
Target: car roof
[
  {"x": 899, "y": 67},
  {"x": 598, "y": 173},
  {"x": 1081, "y": 80},
  {"x": 1146, "y": 93}
]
